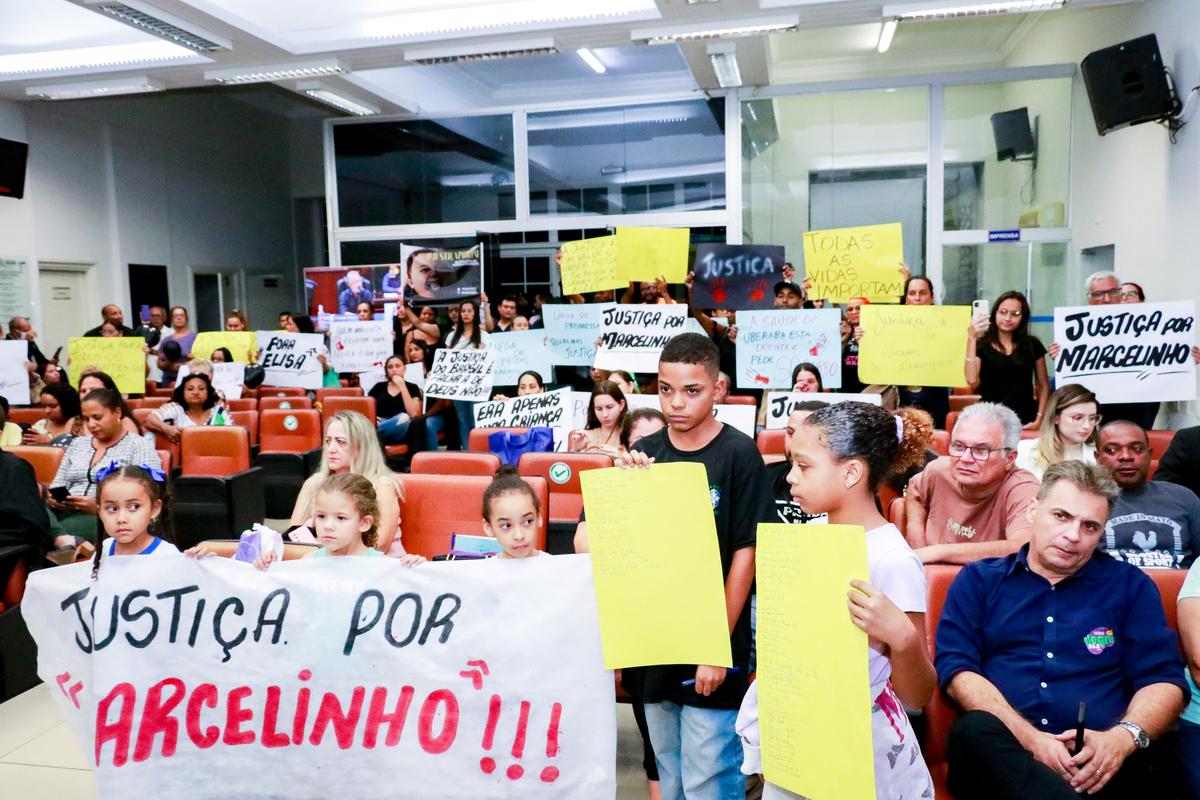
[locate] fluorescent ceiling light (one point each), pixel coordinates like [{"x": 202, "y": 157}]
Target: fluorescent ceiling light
[
  {"x": 109, "y": 56},
  {"x": 161, "y": 24},
  {"x": 278, "y": 72},
  {"x": 652, "y": 114},
  {"x": 443, "y": 54},
  {"x": 75, "y": 91},
  {"x": 590, "y": 59},
  {"x": 932, "y": 9},
  {"x": 728, "y": 28},
  {"x": 886, "y": 32},
  {"x": 480, "y": 16},
  {"x": 336, "y": 98},
  {"x": 723, "y": 57}
]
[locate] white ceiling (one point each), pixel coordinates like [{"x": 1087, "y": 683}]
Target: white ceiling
[{"x": 41, "y": 41}]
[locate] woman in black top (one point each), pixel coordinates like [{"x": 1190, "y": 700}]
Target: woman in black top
[
  {"x": 396, "y": 402},
  {"x": 1006, "y": 365}
]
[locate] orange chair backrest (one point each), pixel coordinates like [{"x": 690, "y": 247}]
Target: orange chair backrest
[
  {"x": 951, "y": 420},
  {"x": 154, "y": 402},
  {"x": 741, "y": 400},
  {"x": 561, "y": 473},
  {"x": 897, "y": 514},
  {"x": 25, "y": 416},
  {"x": 249, "y": 421},
  {"x": 134, "y": 402},
  {"x": 941, "y": 442},
  {"x": 283, "y": 431},
  {"x": 363, "y": 405},
  {"x": 242, "y": 404},
  {"x": 44, "y": 460},
  {"x": 436, "y": 506},
  {"x": 281, "y": 391},
  {"x": 1159, "y": 442},
  {"x": 477, "y": 439},
  {"x": 449, "y": 462},
  {"x": 160, "y": 442},
  {"x": 216, "y": 452},
  {"x": 165, "y": 457},
  {"x": 771, "y": 442},
  {"x": 338, "y": 391},
  {"x": 286, "y": 403}
]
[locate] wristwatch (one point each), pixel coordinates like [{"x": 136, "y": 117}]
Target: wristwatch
[{"x": 1139, "y": 736}]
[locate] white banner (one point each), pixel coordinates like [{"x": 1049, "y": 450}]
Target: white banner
[
  {"x": 290, "y": 359},
  {"x": 1128, "y": 353},
  {"x": 771, "y": 343},
  {"x": 358, "y": 346},
  {"x": 547, "y": 410},
  {"x": 462, "y": 374},
  {"x": 14, "y": 376},
  {"x": 227, "y": 378},
  {"x": 780, "y": 405},
  {"x": 735, "y": 415},
  {"x": 634, "y": 335},
  {"x": 347, "y": 677},
  {"x": 571, "y": 333},
  {"x": 518, "y": 351}
]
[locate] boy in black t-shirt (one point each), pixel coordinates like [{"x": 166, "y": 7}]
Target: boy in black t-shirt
[{"x": 690, "y": 709}]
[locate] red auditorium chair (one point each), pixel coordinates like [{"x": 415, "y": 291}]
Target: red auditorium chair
[
  {"x": 43, "y": 459},
  {"x": 1159, "y": 442},
  {"x": 338, "y": 391},
  {"x": 960, "y": 401},
  {"x": 281, "y": 391},
  {"x": 450, "y": 462},
  {"x": 154, "y": 402},
  {"x": 436, "y": 506},
  {"x": 217, "y": 494},
  {"x": 242, "y": 404},
  {"x": 336, "y": 403},
  {"x": 941, "y": 442},
  {"x": 951, "y": 419},
  {"x": 561, "y": 471},
  {"x": 740, "y": 400},
  {"x": 160, "y": 442},
  {"x": 25, "y": 416},
  {"x": 247, "y": 420},
  {"x": 770, "y": 443},
  {"x": 289, "y": 451},
  {"x": 287, "y": 403}
]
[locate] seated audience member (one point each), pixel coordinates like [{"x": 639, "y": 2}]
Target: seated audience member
[
  {"x": 640, "y": 423},
  {"x": 1188, "y": 744},
  {"x": 1023, "y": 639},
  {"x": 624, "y": 381},
  {"x": 364, "y": 311},
  {"x": 23, "y": 515},
  {"x": 397, "y": 402},
  {"x": 1068, "y": 431},
  {"x": 606, "y": 414},
  {"x": 175, "y": 348},
  {"x": 63, "y": 421},
  {"x": 724, "y": 387},
  {"x": 975, "y": 502},
  {"x": 1181, "y": 463},
  {"x": 10, "y": 432},
  {"x": 221, "y": 356},
  {"x": 1152, "y": 524},
  {"x": 53, "y": 373},
  {"x": 806, "y": 377},
  {"x": 1132, "y": 293},
  {"x": 94, "y": 379},
  {"x": 113, "y": 314},
  {"x": 1005, "y": 359},
  {"x": 194, "y": 403},
  {"x": 528, "y": 382},
  {"x": 787, "y": 509}
]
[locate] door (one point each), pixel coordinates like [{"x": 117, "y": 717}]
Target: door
[
  {"x": 69, "y": 305},
  {"x": 206, "y": 316}
]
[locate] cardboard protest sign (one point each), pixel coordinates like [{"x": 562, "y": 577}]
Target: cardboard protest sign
[
  {"x": 736, "y": 416},
  {"x": 433, "y": 276},
  {"x": 736, "y": 276},
  {"x": 913, "y": 345},
  {"x": 462, "y": 375},
  {"x": 657, "y": 568},
  {"x": 330, "y": 677},
  {"x": 589, "y": 265},
  {"x": 226, "y": 378},
  {"x": 358, "y": 346},
  {"x": 122, "y": 357},
  {"x": 239, "y": 343},
  {"x": 805, "y": 690},
  {"x": 571, "y": 333},
  {"x": 645, "y": 254},
  {"x": 518, "y": 351},
  {"x": 290, "y": 359},
  {"x": 634, "y": 335},
  {"x": 771, "y": 343},
  {"x": 1128, "y": 353},
  {"x": 780, "y": 405},
  {"x": 14, "y": 376},
  {"x": 856, "y": 262},
  {"x": 548, "y": 410}
]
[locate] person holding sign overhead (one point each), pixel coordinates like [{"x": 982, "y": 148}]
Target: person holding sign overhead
[{"x": 1005, "y": 359}]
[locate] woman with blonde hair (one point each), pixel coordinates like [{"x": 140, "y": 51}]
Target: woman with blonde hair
[
  {"x": 351, "y": 445},
  {"x": 1068, "y": 433}
]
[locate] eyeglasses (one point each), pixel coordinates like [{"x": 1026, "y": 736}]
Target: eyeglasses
[
  {"x": 1134, "y": 295},
  {"x": 1090, "y": 419},
  {"x": 979, "y": 452},
  {"x": 1100, "y": 294}
]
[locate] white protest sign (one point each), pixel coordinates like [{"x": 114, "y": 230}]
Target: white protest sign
[
  {"x": 14, "y": 376},
  {"x": 415, "y": 374},
  {"x": 358, "y": 346},
  {"x": 634, "y": 335},
  {"x": 1128, "y": 353},
  {"x": 545, "y": 410},
  {"x": 571, "y": 333},
  {"x": 368, "y": 379},
  {"x": 330, "y": 677},
  {"x": 518, "y": 351},
  {"x": 226, "y": 378},
  {"x": 780, "y": 405},
  {"x": 732, "y": 414},
  {"x": 771, "y": 343},
  {"x": 290, "y": 359},
  {"x": 462, "y": 374}
]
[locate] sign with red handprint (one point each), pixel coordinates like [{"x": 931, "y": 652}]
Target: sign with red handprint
[{"x": 736, "y": 276}]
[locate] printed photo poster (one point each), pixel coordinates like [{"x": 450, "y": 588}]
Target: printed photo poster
[
  {"x": 462, "y": 375},
  {"x": 571, "y": 333},
  {"x": 291, "y": 359},
  {"x": 780, "y": 405},
  {"x": 633, "y": 336},
  {"x": 771, "y": 343},
  {"x": 913, "y": 345},
  {"x": 518, "y": 351},
  {"x": 358, "y": 346},
  {"x": 122, "y": 357},
  {"x": 1128, "y": 353},
  {"x": 14, "y": 375},
  {"x": 331, "y": 678},
  {"x": 434, "y": 276},
  {"x": 736, "y": 276},
  {"x": 856, "y": 262}
]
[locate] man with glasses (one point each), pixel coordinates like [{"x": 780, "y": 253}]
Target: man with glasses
[{"x": 974, "y": 503}]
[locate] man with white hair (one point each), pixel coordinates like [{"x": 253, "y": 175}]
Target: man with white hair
[
  {"x": 974, "y": 503},
  {"x": 354, "y": 293}
]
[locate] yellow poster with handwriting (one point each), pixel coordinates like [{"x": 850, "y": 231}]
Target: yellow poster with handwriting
[
  {"x": 589, "y": 265},
  {"x": 122, "y": 357},
  {"x": 240, "y": 344},
  {"x": 914, "y": 345},
  {"x": 645, "y": 254},
  {"x": 657, "y": 567},
  {"x": 856, "y": 262},
  {"x": 814, "y": 688}
]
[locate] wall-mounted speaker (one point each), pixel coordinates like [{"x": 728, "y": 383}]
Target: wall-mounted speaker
[{"x": 1127, "y": 85}]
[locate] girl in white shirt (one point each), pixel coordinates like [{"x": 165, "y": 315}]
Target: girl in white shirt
[
  {"x": 1069, "y": 431},
  {"x": 129, "y": 501}
]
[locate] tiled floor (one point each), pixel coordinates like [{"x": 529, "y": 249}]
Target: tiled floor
[{"x": 40, "y": 758}]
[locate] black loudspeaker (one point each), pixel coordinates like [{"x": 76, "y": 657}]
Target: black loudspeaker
[
  {"x": 1014, "y": 136},
  {"x": 1127, "y": 85},
  {"x": 13, "y": 156}
]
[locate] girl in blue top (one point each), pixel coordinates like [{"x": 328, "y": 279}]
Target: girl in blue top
[{"x": 129, "y": 501}]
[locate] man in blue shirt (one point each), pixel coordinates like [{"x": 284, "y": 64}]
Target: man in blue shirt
[{"x": 1024, "y": 639}]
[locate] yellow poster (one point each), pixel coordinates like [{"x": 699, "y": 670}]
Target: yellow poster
[
  {"x": 657, "y": 567},
  {"x": 589, "y": 265},
  {"x": 814, "y": 688},
  {"x": 645, "y": 254},
  {"x": 914, "y": 345},
  {"x": 122, "y": 357},
  {"x": 856, "y": 262},
  {"x": 240, "y": 343}
]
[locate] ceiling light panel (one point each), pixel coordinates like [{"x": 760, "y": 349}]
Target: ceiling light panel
[
  {"x": 591, "y": 60},
  {"x": 163, "y": 25},
  {"x": 442, "y": 54},
  {"x": 887, "y": 31},
  {"x": 76, "y": 91},
  {"x": 951, "y": 9},
  {"x": 107, "y": 57},
  {"x": 715, "y": 30},
  {"x": 337, "y": 98},
  {"x": 266, "y": 73}
]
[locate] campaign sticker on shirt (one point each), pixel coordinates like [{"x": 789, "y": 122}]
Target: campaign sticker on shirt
[
  {"x": 290, "y": 423},
  {"x": 1099, "y": 639},
  {"x": 560, "y": 472},
  {"x": 714, "y": 494}
]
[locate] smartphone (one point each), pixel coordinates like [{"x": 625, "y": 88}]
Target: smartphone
[
  {"x": 979, "y": 307},
  {"x": 59, "y": 493}
]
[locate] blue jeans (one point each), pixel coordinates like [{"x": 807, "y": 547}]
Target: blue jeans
[
  {"x": 464, "y": 409},
  {"x": 433, "y": 425},
  {"x": 698, "y": 752},
  {"x": 1187, "y": 750},
  {"x": 753, "y": 634},
  {"x": 393, "y": 429}
]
